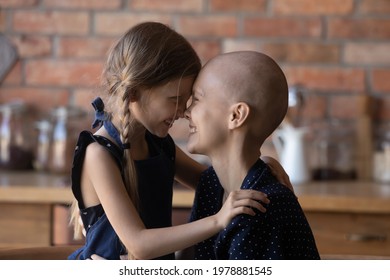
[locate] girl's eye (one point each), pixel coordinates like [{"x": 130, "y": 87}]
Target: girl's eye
[{"x": 175, "y": 99}]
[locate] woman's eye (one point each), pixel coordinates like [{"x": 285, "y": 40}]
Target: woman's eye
[
  {"x": 192, "y": 102},
  {"x": 189, "y": 102}
]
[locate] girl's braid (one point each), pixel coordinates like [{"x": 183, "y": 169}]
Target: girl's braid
[{"x": 129, "y": 170}]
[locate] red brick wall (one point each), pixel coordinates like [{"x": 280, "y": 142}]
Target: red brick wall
[{"x": 338, "y": 49}]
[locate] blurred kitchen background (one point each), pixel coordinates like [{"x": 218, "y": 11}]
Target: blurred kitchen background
[{"x": 335, "y": 54}]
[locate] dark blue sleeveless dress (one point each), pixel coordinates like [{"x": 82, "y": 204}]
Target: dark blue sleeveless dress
[{"x": 155, "y": 179}]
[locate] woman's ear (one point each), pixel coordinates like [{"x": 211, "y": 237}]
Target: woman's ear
[{"x": 238, "y": 115}]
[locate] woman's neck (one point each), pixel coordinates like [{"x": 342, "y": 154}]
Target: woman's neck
[{"x": 233, "y": 166}]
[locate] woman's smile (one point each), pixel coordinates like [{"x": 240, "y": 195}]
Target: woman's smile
[{"x": 192, "y": 129}]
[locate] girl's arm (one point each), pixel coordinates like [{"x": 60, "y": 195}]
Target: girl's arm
[
  {"x": 188, "y": 170},
  {"x": 102, "y": 172}
]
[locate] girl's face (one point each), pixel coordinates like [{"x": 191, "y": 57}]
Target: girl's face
[{"x": 158, "y": 108}]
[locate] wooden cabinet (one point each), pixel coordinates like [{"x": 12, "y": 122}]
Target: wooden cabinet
[
  {"x": 351, "y": 233},
  {"x": 347, "y": 218},
  {"x": 34, "y": 211},
  {"x": 35, "y": 224},
  {"x": 26, "y": 224}
]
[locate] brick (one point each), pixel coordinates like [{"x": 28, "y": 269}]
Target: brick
[
  {"x": 381, "y": 80},
  {"x": 82, "y": 98},
  {"x": 283, "y": 27},
  {"x": 327, "y": 78},
  {"x": 370, "y": 7},
  {"x": 166, "y": 5},
  {"x": 255, "y": 6},
  {"x": 344, "y": 107},
  {"x": 33, "y": 46},
  {"x": 63, "y": 73},
  {"x": 231, "y": 45},
  {"x": 344, "y": 28},
  {"x": 51, "y": 22},
  {"x": 310, "y": 7},
  {"x": 18, "y": 3},
  {"x": 83, "y": 4},
  {"x": 34, "y": 97},
  {"x": 367, "y": 53},
  {"x": 308, "y": 52},
  {"x": 119, "y": 23},
  {"x": 314, "y": 107},
  {"x": 14, "y": 76},
  {"x": 206, "y": 49},
  {"x": 216, "y": 26},
  {"x": 96, "y": 47}
]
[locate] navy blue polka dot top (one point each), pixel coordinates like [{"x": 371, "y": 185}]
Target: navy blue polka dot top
[{"x": 281, "y": 233}]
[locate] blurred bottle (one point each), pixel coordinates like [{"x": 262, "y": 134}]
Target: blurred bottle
[{"x": 41, "y": 161}]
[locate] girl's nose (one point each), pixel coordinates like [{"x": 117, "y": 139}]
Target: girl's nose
[
  {"x": 179, "y": 113},
  {"x": 181, "y": 110}
]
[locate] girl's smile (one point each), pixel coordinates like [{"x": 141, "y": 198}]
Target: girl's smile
[{"x": 158, "y": 108}]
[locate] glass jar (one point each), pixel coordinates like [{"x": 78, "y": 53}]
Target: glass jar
[
  {"x": 15, "y": 147},
  {"x": 333, "y": 152},
  {"x": 381, "y": 161},
  {"x": 66, "y": 128}
]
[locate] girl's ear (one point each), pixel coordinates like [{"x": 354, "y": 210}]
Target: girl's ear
[{"x": 238, "y": 115}]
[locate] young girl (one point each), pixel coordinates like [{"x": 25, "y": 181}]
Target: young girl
[{"x": 122, "y": 175}]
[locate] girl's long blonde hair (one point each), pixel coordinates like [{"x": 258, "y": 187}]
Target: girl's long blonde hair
[{"x": 149, "y": 54}]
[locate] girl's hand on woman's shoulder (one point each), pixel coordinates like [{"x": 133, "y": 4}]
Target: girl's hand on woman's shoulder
[{"x": 241, "y": 202}]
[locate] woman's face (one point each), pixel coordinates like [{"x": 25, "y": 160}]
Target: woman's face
[
  {"x": 207, "y": 115},
  {"x": 158, "y": 108}
]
